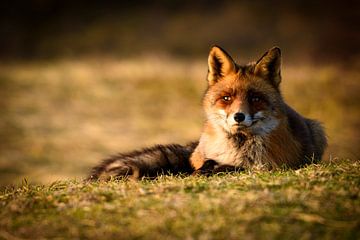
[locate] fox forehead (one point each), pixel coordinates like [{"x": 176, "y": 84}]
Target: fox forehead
[{"x": 241, "y": 85}]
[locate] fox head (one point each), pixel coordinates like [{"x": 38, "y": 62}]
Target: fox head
[{"x": 243, "y": 99}]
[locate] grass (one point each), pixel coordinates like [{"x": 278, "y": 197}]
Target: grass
[{"x": 316, "y": 202}]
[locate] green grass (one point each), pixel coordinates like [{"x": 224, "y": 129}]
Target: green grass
[{"x": 316, "y": 202}]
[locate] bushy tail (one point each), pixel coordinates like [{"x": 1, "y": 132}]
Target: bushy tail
[{"x": 148, "y": 162}]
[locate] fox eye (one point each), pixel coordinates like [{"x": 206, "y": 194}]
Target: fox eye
[
  {"x": 226, "y": 98},
  {"x": 255, "y": 99}
]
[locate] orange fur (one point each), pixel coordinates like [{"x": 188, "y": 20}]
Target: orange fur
[{"x": 270, "y": 135}]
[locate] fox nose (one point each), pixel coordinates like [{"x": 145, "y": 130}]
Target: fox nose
[{"x": 239, "y": 117}]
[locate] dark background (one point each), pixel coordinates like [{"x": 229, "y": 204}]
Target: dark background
[{"x": 45, "y": 29}]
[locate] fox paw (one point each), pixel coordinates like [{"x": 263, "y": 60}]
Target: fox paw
[
  {"x": 207, "y": 168},
  {"x": 211, "y": 167}
]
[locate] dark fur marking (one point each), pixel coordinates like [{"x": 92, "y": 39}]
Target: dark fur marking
[
  {"x": 238, "y": 138},
  {"x": 301, "y": 129}
]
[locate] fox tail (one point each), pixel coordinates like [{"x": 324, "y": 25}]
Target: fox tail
[{"x": 149, "y": 162}]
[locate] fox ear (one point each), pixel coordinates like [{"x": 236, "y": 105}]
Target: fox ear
[
  {"x": 269, "y": 66},
  {"x": 220, "y": 64}
]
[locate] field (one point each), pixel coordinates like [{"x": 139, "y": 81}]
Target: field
[
  {"x": 60, "y": 117},
  {"x": 317, "y": 202}
]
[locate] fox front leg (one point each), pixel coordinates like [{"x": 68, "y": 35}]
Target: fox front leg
[{"x": 197, "y": 159}]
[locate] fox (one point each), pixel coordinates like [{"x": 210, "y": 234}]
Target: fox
[{"x": 247, "y": 126}]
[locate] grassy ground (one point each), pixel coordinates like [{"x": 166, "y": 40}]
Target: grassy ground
[{"x": 316, "y": 202}]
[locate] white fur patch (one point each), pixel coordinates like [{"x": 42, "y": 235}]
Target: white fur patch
[
  {"x": 225, "y": 151},
  {"x": 248, "y": 120},
  {"x": 112, "y": 165},
  {"x": 222, "y": 112},
  {"x": 259, "y": 115},
  {"x": 223, "y": 119},
  {"x": 265, "y": 126}
]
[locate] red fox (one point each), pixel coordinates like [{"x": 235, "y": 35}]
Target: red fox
[{"x": 248, "y": 126}]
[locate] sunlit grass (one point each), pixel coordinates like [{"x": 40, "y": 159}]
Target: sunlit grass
[
  {"x": 61, "y": 117},
  {"x": 317, "y": 202}
]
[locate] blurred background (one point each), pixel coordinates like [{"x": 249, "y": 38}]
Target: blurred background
[{"x": 80, "y": 80}]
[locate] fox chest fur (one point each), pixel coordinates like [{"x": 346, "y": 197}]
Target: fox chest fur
[{"x": 237, "y": 152}]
